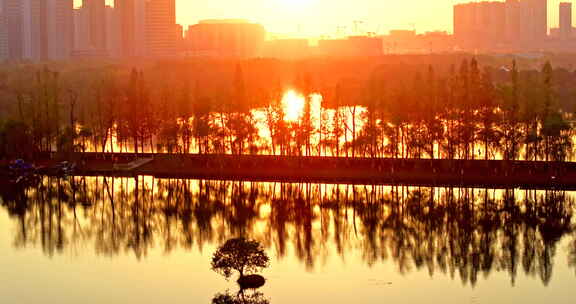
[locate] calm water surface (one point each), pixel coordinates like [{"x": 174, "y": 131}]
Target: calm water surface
[{"x": 145, "y": 240}]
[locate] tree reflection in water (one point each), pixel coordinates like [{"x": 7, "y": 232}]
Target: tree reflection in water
[
  {"x": 242, "y": 297},
  {"x": 463, "y": 233}
]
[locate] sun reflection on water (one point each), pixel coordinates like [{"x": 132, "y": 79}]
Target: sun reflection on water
[{"x": 293, "y": 106}]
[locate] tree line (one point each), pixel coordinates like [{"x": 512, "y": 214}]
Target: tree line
[{"x": 459, "y": 111}]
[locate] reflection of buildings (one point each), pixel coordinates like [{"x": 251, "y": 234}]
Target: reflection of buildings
[
  {"x": 454, "y": 233},
  {"x": 226, "y": 38},
  {"x": 408, "y": 41},
  {"x": 352, "y": 47}
]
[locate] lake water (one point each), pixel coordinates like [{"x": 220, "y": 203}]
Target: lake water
[{"x": 145, "y": 240}]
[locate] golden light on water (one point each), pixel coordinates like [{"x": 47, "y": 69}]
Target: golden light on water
[{"x": 293, "y": 105}]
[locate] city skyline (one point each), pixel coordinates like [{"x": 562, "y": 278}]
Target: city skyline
[
  {"x": 317, "y": 18},
  {"x": 61, "y": 29}
]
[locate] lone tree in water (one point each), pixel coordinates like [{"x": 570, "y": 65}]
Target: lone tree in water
[{"x": 244, "y": 256}]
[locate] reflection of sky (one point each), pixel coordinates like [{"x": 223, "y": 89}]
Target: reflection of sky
[
  {"x": 79, "y": 275},
  {"x": 184, "y": 277}
]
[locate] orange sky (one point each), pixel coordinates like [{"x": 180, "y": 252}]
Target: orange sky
[{"x": 315, "y": 18}]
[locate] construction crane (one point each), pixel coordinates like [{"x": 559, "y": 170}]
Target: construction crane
[
  {"x": 340, "y": 31},
  {"x": 357, "y": 24}
]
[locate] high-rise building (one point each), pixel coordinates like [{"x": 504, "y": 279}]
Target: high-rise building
[
  {"x": 180, "y": 43},
  {"x": 38, "y": 29},
  {"x": 58, "y": 39},
  {"x": 132, "y": 14},
  {"x": 534, "y": 18},
  {"x": 3, "y": 38},
  {"x": 541, "y": 19},
  {"x": 13, "y": 11},
  {"x": 113, "y": 35},
  {"x": 491, "y": 23},
  {"x": 464, "y": 19},
  {"x": 226, "y": 38},
  {"x": 513, "y": 21},
  {"x": 161, "y": 28},
  {"x": 96, "y": 10},
  {"x": 480, "y": 24},
  {"x": 35, "y": 30},
  {"x": 82, "y": 30},
  {"x": 565, "y": 20}
]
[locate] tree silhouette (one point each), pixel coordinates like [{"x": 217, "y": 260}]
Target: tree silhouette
[
  {"x": 241, "y": 255},
  {"x": 240, "y": 298}
]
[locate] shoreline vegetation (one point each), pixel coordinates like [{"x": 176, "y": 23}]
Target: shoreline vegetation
[
  {"x": 442, "y": 107},
  {"x": 331, "y": 170}
]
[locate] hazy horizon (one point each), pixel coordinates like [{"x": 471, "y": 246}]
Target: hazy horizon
[{"x": 315, "y": 18}]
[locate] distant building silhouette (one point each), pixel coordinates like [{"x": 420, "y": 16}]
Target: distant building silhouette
[
  {"x": 16, "y": 13},
  {"x": 59, "y": 30},
  {"x": 113, "y": 32},
  {"x": 81, "y": 29},
  {"x": 354, "y": 46},
  {"x": 513, "y": 22},
  {"x": 534, "y": 26},
  {"x": 565, "y": 20},
  {"x": 409, "y": 42},
  {"x": 287, "y": 48},
  {"x": 226, "y": 38},
  {"x": 132, "y": 14},
  {"x": 96, "y": 12},
  {"x": 480, "y": 24},
  {"x": 132, "y": 28},
  {"x": 3, "y": 38},
  {"x": 180, "y": 43},
  {"x": 501, "y": 25},
  {"x": 161, "y": 29},
  {"x": 85, "y": 43},
  {"x": 38, "y": 29}
]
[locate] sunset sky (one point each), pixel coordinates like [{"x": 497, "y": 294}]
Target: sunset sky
[{"x": 315, "y": 18}]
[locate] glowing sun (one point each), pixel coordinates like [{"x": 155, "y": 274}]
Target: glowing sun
[{"x": 293, "y": 105}]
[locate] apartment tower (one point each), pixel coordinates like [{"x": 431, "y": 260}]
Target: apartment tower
[
  {"x": 161, "y": 28},
  {"x": 565, "y": 20}
]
